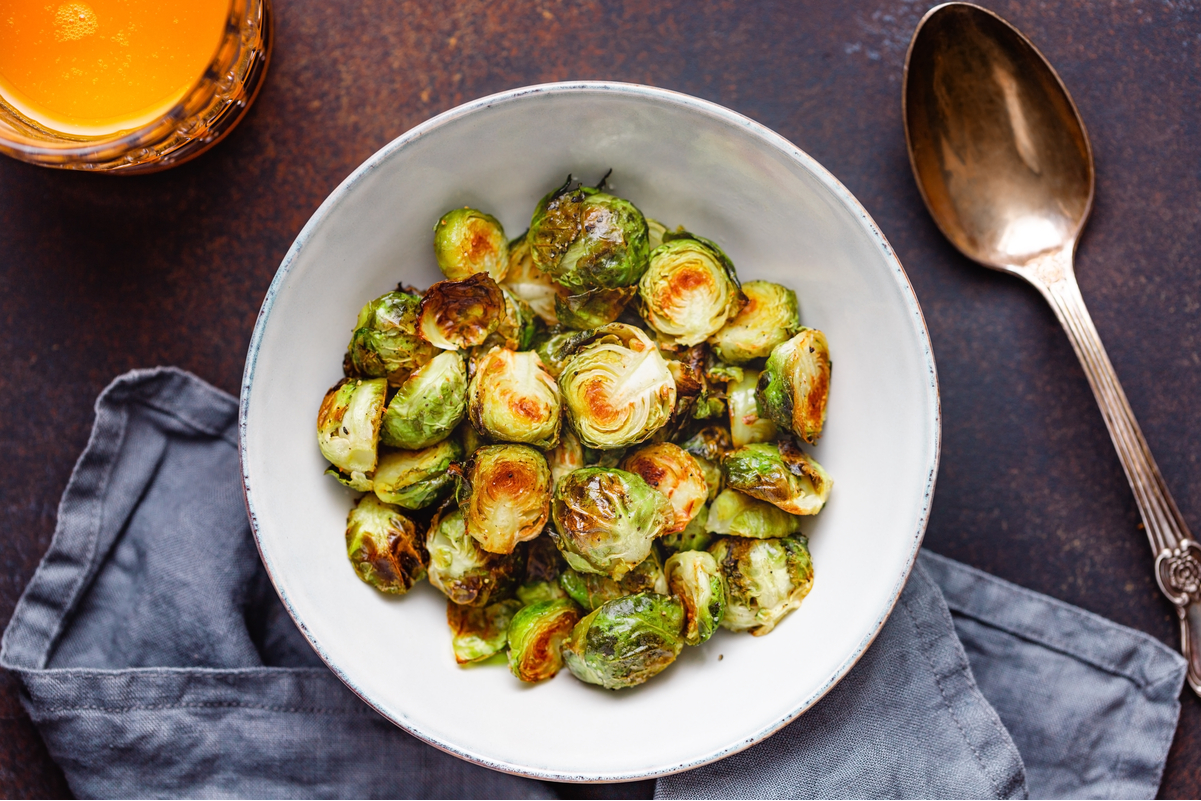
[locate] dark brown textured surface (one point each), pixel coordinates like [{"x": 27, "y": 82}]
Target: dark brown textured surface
[{"x": 101, "y": 274}]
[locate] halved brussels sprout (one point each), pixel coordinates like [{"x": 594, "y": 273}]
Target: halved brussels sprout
[
  {"x": 383, "y": 547},
  {"x": 591, "y": 590},
  {"x": 530, "y": 284},
  {"x": 765, "y": 580},
  {"x": 654, "y": 233},
  {"x": 480, "y": 632},
  {"x": 743, "y": 516},
  {"x": 513, "y": 398},
  {"x": 565, "y": 457},
  {"x": 746, "y": 424},
  {"x": 386, "y": 342},
  {"x": 769, "y": 318},
  {"x": 786, "y": 477},
  {"x": 606, "y": 520},
  {"x": 461, "y": 314},
  {"x": 626, "y": 641},
  {"x": 594, "y": 308},
  {"x": 416, "y": 479},
  {"x": 428, "y": 405},
  {"x": 468, "y": 241},
  {"x": 617, "y": 388},
  {"x": 462, "y": 570},
  {"x": 588, "y": 239},
  {"x": 536, "y": 637},
  {"x": 348, "y": 425},
  {"x": 671, "y": 470},
  {"x": 795, "y": 384},
  {"x": 517, "y": 328},
  {"x": 695, "y": 578},
  {"x": 693, "y": 538},
  {"x": 689, "y": 290},
  {"x": 708, "y": 446},
  {"x": 505, "y": 496}
]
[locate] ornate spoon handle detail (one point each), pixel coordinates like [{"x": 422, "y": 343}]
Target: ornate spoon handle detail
[{"x": 1177, "y": 556}]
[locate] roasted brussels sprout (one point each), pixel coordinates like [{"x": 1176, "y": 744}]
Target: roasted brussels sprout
[
  {"x": 769, "y": 318},
  {"x": 654, "y": 233},
  {"x": 386, "y": 342},
  {"x": 708, "y": 446},
  {"x": 786, "y": 477},
  {"x": 348, "y": 425},
  {"x": 568, "y": 455},
  {"x": 530, "y": 284},
  {"x": 671, "y": 470},
  {"x": 693, "y": 538},
  {"x": 536, "y": 637},
  {"x": 746, "y": 424},
  {"x": 480, "y": 632},
  {"x": 606, "y": 519},
  {"x": 512, "y": 398},
  {"x": 795, "y": 384},
  {"x": 428, "y": 405},
  {"x": 695, "y": 578},
  {"x": 765, "y": 580},
  {"x": 626, "y": 641},
  {"x": 591, "y": 590},
  {"x": 588, "y": 239},
  {"x": 467, "y": 241},
  {"x": 461, "y": 314},
  {"x": 383, "y": 547},
  {"x": 416, "y": 479},
  {"x": 558, "y": 347},
  {"x": 689, "y": 291},
  {"x": 617, "y": 388},
  {"x": 517, "y": 328},
  {"x": 461, "y": 569},
  {"x": 743, "y": 516},
  {"x": 594, "y": 308},
  {"x": 505, "y": 496}
]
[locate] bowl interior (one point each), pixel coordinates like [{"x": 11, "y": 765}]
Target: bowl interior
[{"x": 780, "y": 217}]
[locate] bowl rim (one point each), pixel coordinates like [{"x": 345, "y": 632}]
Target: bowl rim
[{"x": 666, "y": 96}]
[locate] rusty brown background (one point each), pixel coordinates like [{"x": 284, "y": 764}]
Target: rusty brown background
[{"x": 99, "y": 274}]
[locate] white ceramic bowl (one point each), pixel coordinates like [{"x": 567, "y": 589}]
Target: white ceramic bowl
[{"x": 780, "y": 216}]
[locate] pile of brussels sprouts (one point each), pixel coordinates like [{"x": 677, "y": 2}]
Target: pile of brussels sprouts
[{"x": 588, "y": 438}]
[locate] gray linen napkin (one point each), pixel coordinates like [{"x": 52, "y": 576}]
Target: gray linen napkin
[{"x": 157, "y": 661}]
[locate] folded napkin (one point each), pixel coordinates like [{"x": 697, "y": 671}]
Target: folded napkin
[{"x": 156, "y": 660}]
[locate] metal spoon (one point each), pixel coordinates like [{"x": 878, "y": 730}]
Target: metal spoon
[{"x": 1005, "y": 167}]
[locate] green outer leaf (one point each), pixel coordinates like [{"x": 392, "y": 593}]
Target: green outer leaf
[
  {"x": 416, "y": 479},
  {"x": 428, "y": 405},
  {"x": 627, "y": 641}
]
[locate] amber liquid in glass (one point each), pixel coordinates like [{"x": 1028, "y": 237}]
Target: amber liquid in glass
[{"x": 94, "y": 67}]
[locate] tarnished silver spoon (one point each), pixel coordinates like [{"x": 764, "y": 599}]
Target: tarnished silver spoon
[{"x": 1005, "y": 167}]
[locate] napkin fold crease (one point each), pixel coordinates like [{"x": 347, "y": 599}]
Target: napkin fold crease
[{"x": 157, "y": 661}]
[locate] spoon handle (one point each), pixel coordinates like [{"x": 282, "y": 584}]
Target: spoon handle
[{"x": 1177, "y": 556}]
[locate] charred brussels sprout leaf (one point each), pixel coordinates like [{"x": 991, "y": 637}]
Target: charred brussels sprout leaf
[
  {"x": 674, "y": 472},
  {"x": 536, "y": 637},
  {"x": 467, "y": 242},
  {"x": 416, "y": 479},
  {"x": 558, "y": 347},
  {"x": 530, "y": 284},
  {"x": 462, "y": 570},
  {"x": 693, "y": 538},
  {"x": 479, "y": 632},
  {"x": 383, "y": 547},
  {"x": 513, "y": 398},
  {"x": 743, "y": 516},
  {"x": 428, "y": 405},
  {"x": 607, "y": 519},
  {"x": 746, "y": 424},
  {"x": 626, "y": 641},
  {"x": 695, "y": 578},
  {"x": 543, "y": 561},
  {"x": 348, "y": 425},
  {"x": 795, "y": 384},
  {"x": 786, "y": 477},
  {"x": 765, "y": 580},
  {"x": 590, "y": 590},
  {"x": 565, "y": 457},
  {"x": 594, "y": 308},
  {"x": 588, "y": 239},
  {"x": 505, "y": 497},
  {"x": 461, "y": 314},
  {"x": 689, "y": 291},
  {"x": 617, "y": 388},
  {"x": 386, "y": 342},
  {"x": 769, "y": 318}
]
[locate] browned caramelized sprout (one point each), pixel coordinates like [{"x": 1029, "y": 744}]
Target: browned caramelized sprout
[
  {"x": 467, "y": 242},
  {"x": 512, "y": 398},
  {"x": 505, "y": 496},
  {"x": 782, "y": 475},
  {"x": 479, "y": 632},
  {"x": 689, "y": 290},
  {"x": 386, "y": 342},
  {"x": 536, "y": 637},
  {"x": 671, "y": 470},
  {"x": 461, "y": 314},
  {"x": 765, "y": 580},
  {"x": 795, "y": 385},
  {"x": 769, "y": 318},
  {"x": 348, "y": 425},
  {"x": 462, "y": 570},
  {"x": 383, "y": 546}
]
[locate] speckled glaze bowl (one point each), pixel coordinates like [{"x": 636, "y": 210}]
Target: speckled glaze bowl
[{"x": 683, "y": 161}]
